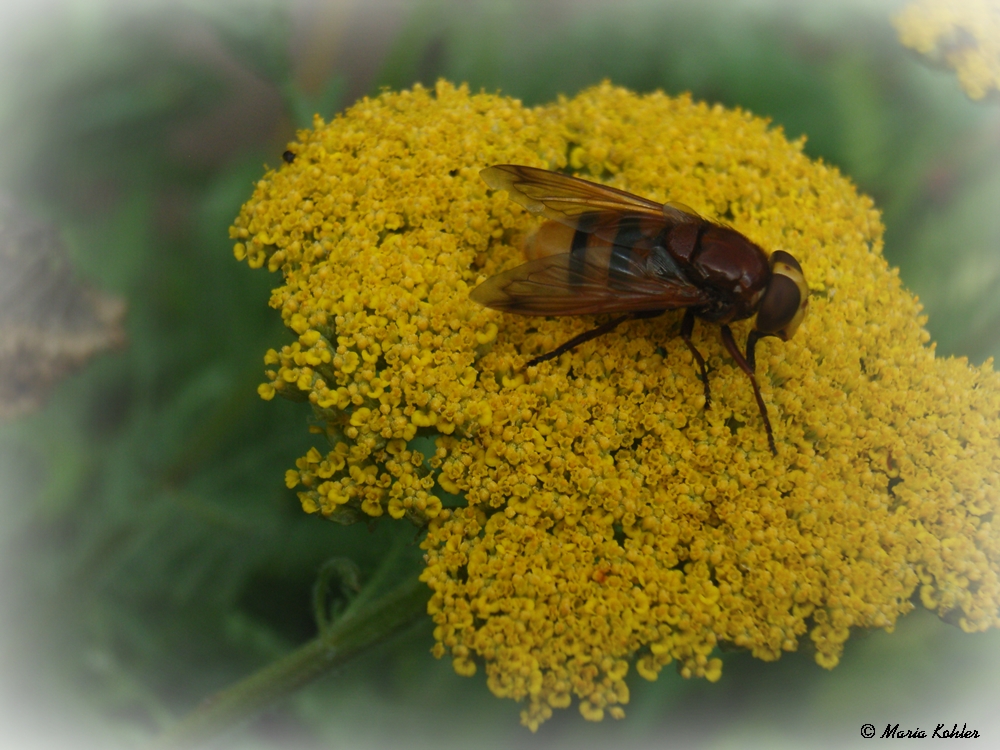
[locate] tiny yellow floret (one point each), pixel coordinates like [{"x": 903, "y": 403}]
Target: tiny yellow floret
[
  {"x": 488, "y": 335},
  {"x": 423, "y": 419}
]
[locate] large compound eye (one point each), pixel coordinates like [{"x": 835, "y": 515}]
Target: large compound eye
[
  {"x": 780, "y": 304},
  {"x": 786, "y": 298}
]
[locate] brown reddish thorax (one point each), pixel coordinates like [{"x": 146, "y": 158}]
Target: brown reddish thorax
[{"x": 724, "y": 260}]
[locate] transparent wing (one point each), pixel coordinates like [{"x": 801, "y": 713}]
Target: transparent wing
[
  {"x": 563, "y": 198},
  {"x": 567, "y": 284}
]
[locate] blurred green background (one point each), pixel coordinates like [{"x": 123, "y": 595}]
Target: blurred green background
[{"x": 151, "y": 553}]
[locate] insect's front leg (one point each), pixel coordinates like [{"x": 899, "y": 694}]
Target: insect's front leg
[
  {"x": 687, "y": 328},
  {"x": 752, "y": 340},
  {"x": 748, "y": 368}
]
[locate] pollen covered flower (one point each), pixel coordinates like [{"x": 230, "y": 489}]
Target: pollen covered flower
[
  {"x": 598, "y": 518},
  {"x": 964, "y": 35}
]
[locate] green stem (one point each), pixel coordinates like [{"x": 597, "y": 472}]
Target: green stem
[{"x": 352, "y": 633}]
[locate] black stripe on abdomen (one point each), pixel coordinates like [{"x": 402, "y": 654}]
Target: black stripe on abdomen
[
  {"x": 628, "y": 235},
  {"x": 578, "y": 247}
]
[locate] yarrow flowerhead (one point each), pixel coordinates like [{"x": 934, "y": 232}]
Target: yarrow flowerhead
[
  {"x": 588, "y": 516},
  {"x": 964, "y": 35}
]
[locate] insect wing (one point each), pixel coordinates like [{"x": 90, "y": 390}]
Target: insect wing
[
  {"x": 680, "y": 213},
  {"x": 559, "y": 196},
  {"x": 567, "y": 284}
]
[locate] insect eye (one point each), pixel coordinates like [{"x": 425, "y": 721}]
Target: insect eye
[
  {"x": 780, "y": 256},
  {"x": 780, "y": 306}
]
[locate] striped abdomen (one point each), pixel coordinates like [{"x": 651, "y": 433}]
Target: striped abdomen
[{"x": 613, "y": 241}]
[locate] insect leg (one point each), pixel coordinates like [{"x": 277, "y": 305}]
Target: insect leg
[
  {"x": 593, "y": 333},
  {"x": 734, "y": 352},
  {"x": 752, "y": 340},
  {"x": 687, "y": 327}
]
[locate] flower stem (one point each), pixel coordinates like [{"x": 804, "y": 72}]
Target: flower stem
[{"x": 355, "y": 631}]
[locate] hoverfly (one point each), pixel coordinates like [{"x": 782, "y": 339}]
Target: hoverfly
[{"x": 603, "y": 250}]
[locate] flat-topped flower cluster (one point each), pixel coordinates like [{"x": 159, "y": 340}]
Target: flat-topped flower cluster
[{"x": 588, "y": 516}]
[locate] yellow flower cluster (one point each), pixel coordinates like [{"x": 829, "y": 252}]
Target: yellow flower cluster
[
  {"x": 599, "y": 517},
  {"x": 964, "y": 35}
]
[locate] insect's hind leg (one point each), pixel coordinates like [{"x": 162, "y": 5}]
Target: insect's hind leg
[
  {"x": 687, "y": 328},
  {"x": 593, "y": 333}
]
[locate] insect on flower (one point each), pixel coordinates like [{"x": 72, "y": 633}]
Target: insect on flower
[{"x": 603, "y": 250}]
